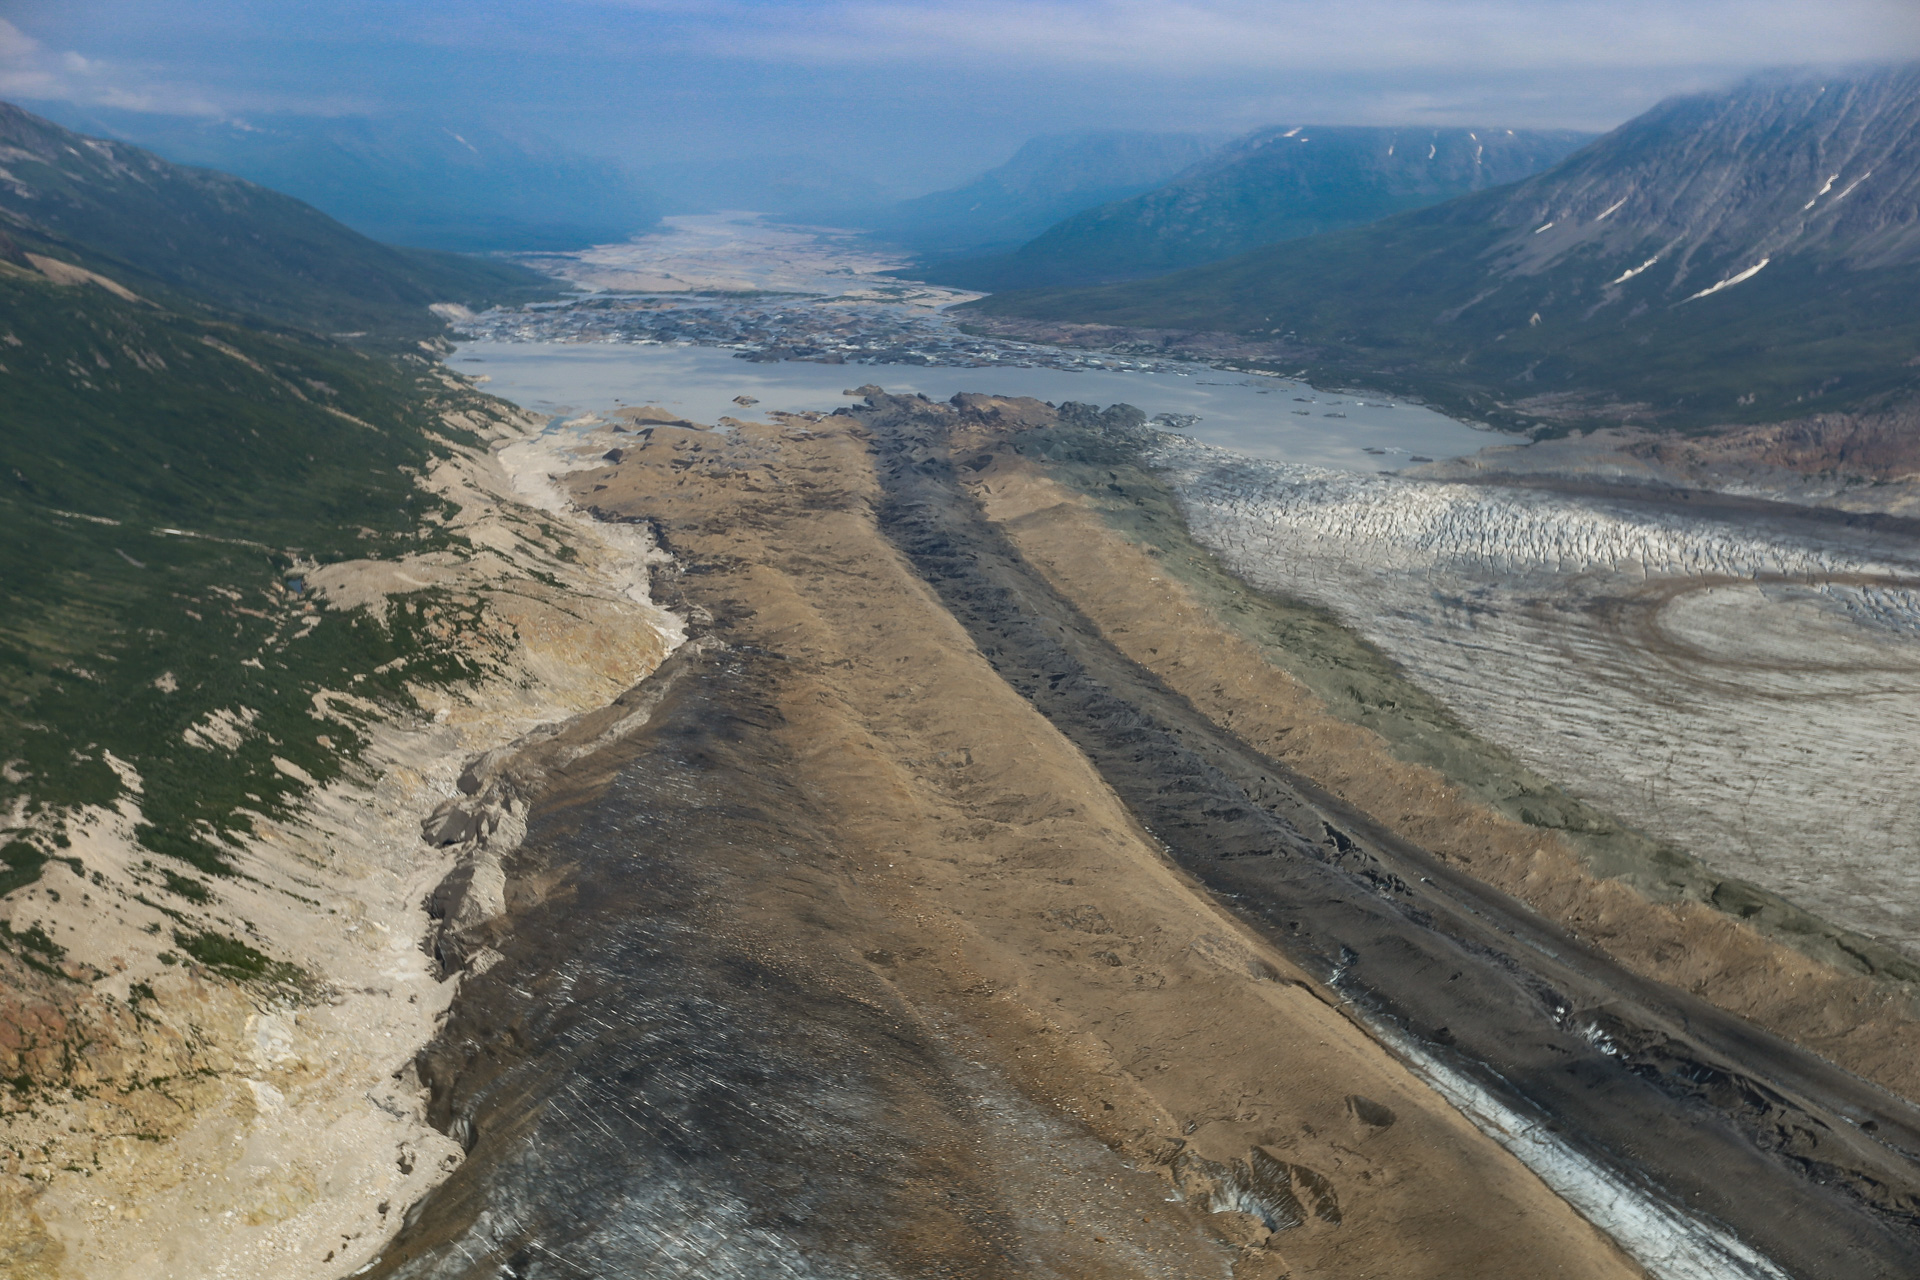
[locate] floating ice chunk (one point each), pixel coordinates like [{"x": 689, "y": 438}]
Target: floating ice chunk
[{"x": 1730, "y": 281}]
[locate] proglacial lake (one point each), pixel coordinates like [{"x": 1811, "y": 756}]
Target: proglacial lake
[{"x": 1261, "y": 416}]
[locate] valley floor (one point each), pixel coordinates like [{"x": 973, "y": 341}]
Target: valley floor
[
  {"x": 975, "y": 899},
  {"x": 996, "y": 883}
]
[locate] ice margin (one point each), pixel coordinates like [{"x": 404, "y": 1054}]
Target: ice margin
[{"x": 1670, "y": 1243}]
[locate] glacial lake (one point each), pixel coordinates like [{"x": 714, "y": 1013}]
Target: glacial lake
[{"x": 1264, "y": 417}]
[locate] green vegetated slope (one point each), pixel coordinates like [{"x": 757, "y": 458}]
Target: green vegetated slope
[
  {"x": 1273, "y": 185},
  {"x": 195, "y": 237},
  {"x": 160, "y": 478},
  {"x": 1046, "y": 180},
  {"x": 169, "y": 462},
  {"x": 1745, "y": 256}
]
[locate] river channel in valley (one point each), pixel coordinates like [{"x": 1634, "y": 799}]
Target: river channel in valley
[
  {"x": 704, "y": 310},
  {"x": 656, "y": 1072}
]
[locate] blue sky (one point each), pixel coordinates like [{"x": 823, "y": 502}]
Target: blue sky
[{"x": 922, "y": 93}]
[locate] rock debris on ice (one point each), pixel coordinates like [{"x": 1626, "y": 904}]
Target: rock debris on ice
[{"x": 1742, "y": 691}]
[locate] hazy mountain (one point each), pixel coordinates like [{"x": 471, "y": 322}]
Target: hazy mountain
[
  {"x": 191, "y": 235},
  {"x": 1275, "y": 184},
  {"x": 1046, "y": 180},
  {"x": 453, "y": 185},
  {"x": 1746, "y": 255},
  {"x": 774, "y": 184}
]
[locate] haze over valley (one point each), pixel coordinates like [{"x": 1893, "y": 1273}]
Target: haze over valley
[{"x": 927, "y": 641}]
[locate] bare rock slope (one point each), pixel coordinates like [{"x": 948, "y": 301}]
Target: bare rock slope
[
  {"x": 1274, "y": 184},
  {"x": 1743, "y": 256}
]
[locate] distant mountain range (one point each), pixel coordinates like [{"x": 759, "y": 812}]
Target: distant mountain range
[
  {"x": 1272, "y": 185},
  {"x": 196, "y": 238},
  {"x": 1741, "y": 256},
  {"x": 778, "y": 185},
  {"x": 435, "y": 184},
  {"x": 1047, "y": 179}
]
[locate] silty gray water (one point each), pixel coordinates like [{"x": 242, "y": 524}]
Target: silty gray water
[{"x": 1259, "y": 416}]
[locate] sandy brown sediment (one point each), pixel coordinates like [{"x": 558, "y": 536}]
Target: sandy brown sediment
[
  {"x": 205, "y": 1127},
  {"x": 1005, "y": 891},
  {"x": 1146, "y": 611}
]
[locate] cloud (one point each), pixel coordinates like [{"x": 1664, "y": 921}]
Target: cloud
[
  {"x": 916, "y": 91},
  {"x": 23, "y": 70},
  {"x": 30, "y": 70},
  {"x": 1197, "y": 37}
]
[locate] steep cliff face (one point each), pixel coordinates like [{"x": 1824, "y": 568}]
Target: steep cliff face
[
  {"x": 1743, "y": 256},
  {"x": 1272, "y": 185}
]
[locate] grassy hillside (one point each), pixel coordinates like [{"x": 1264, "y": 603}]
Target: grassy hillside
[
  {"x": 1741, "y": 257},
  {"x": 180, "y": 441},
  {"x": 1273, "y": 185},
  {"x": 197, "y": 237},
  {"x": 160, "y": 480}
]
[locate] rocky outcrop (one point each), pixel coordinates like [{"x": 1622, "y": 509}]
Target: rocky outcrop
[
  {"x": 487, "y": 820},
  {"x": 1847, "y": 462}
]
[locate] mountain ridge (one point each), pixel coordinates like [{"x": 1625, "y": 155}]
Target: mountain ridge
[
  {"x": 1046, "y": 179},
  {"x": 1278, "y": 183},
  {"x": 424, "y": 182},
  {"x": 198, "y": 237},
  {"x": 1743, "y": 256}
]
